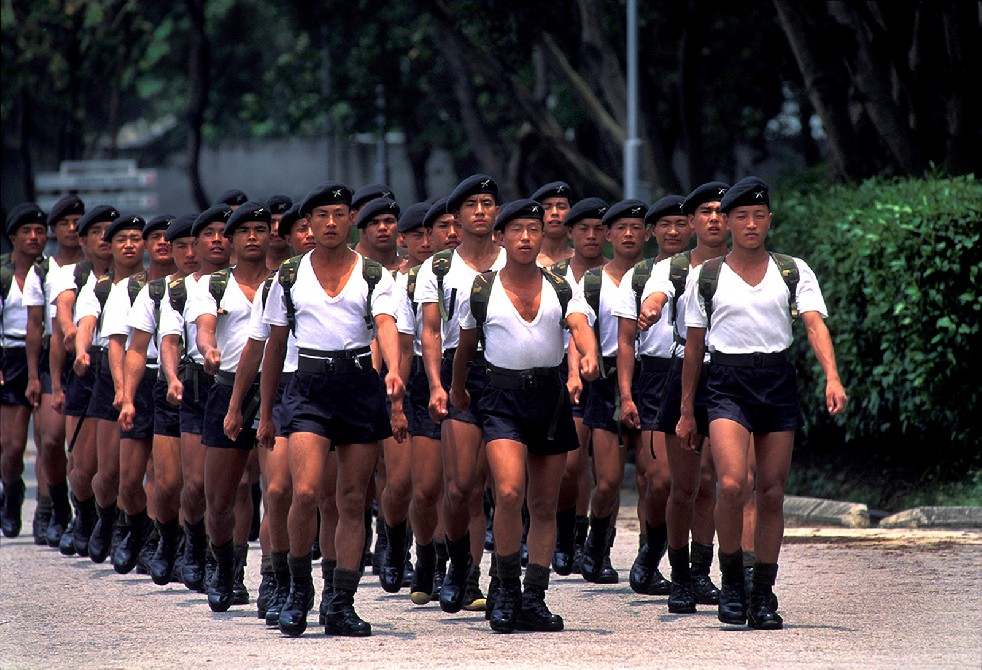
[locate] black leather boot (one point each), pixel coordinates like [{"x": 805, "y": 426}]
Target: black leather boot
[
  {"x": 534, "y": 614},
  {"x": 195, "y": 548},
  {"x": 280, "y": 571},
  {"x": 240, "y": 594},
  {"x": 762, "y": 614},
  {"x": 381, "y": 542},
  {"x": 341, "y": 617},
  {"x": 86, "y": 517},
  {"x": 42, "y": 517},
  {"x": 220, "y": 591},
  {"x": 440, "y": 572},
  {"x": 582, "y": 526},
  {"x": 681, "y": 600},
  {"x": 61, "y": 514},
  {"x": 127, "y": 552},
  {"x": 607, "y": 573},
  {"x": 67, "y": 543},
  {"x": 161, "y": 566},
  {"x": 455, "y": 583},
  {"x": 11, "y": 503},
  {"x": 508, "y": 598},
  {"x": 421, "y": 590},
  {"x": 267, "y": 585},
  {"x": 392, "y": 563},
  {"x": 732, "y": 597},
  {"x": 100, "y": 541},
  {"x": 703, "y": 588},
  {"x": 293, "y": 616},
  {"x": 640, "y": 570},
  {"x": 657, "y": 541},
  {"x": 474, "y": 600},
  {"x": 595, "y": 547},
  {"x": 562, "y": 556},
  {"x": 149, "y": 548},
  {"x": 493, "y": 587},
  {"x": 327, "y": 573}
]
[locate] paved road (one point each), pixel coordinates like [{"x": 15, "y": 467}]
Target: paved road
[{"x": 850, "y": 598}]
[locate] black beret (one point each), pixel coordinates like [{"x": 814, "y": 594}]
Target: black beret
[
  {"x": 554, "y": 189},
  {"x": 525, "y": 208},
  {"x": 708, "y": 192},
  {"x": 412, "y": 218},
  {"x": 278, "y": 204},
  {"x": 215, "y": 214},
  {"x": 23, "y": 214},
  {"x": 157, "y": 223},
  {"x": 368, "y": 193},
  {"x": 587, "y": 208},
  {"x": 377, "y": 207},
  {"x": 247, "y": 212},
  {"x": 747, "y": 191},
  {"x": 328, "y": 193},
  {"x": 98, "y": 214},
  {"x": 476, "y": 183},
  {"x": 66, "y": 206},
  {"x": 121, "y": 223},
  {"x": 625, "y": 209},
  {"x": 436, "y": 210},
  {"x": 670, "y": 205},
  {"x": 290, "y": 217},
  {"x": 233, "y": 196},
  {"x": 180, "y": 227}
]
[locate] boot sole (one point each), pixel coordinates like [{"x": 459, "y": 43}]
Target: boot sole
[
  {"x": 681, "y": 609},
  {"x": 732, "y": 620},
  {"x": 420, "y": 598},
  {"x": 340, "y": 633},
  {"x": 767, "y": 625}
]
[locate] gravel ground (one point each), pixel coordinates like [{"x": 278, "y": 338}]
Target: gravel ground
[{"x": 850, "y": 598}]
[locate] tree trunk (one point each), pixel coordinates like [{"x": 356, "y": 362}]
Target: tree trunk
[
  {"x": 963, "y": 141},
  {"x": 824, "y": 79},
  {"x": 199, "y": 78},
  {"x": 24, "y": 145},
  {"x": 690, "y": 95}
]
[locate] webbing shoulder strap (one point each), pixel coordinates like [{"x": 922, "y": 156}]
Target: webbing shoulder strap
[
  {"x": 592, "y": 282},
  {"x": 790, "y": 274},
  {"x": 157, "y": 288},
  {"x": 134, "y": 284},
  {"x": 411, "y": 287},
  {"x": 287, "y": 278},
  {"x": 177, "y": 289},
  {"x": 563, "y": 291},
  {"x": 642, "y": 271},
  {"x": 441, "y": 266},
  {"x": 217, "y": 284},
  {"x": 560, "y": 268},
  {"x": 480, "y": 295},
  {"x": 267, "y": 284},
  {"x": 708, "y": 279},
  {"x": 81, "y": 274},
  {"x": 6, "y": 279},
  {"x": 371, "y": 271},
  {"x": 103, "y": 285}
]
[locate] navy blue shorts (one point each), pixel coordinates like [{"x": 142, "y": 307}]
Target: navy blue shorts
[
  {"x": 14, "y": 365},
  {"x": 604, "y": 402},
  {"x": 143, "y": 403},
  {"x": 540, "y": 418},
  {"x": 166, "y": 417},
  {"x": 578, "y": 407},
  {"x": 196, "y": 386},
  {"x": 761, "y": 399},
  {"x": 671, "y": 406},
  {"x": 103, "y": 390},
  {"x": 652, "y": 378},
  {"x": 476, "y": 380},
  {"x": 416, "y": 405},
  {"x": 280, "y": 415},
  {"x": 78, "y": 390},
  {"x": 344, "y": 408},
  {"x": 216, "y": 407}
]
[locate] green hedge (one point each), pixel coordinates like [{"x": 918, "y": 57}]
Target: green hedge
[{"x": 899, "y": 264}]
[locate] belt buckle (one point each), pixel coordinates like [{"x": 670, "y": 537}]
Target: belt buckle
[
  {"x": 329, "y": 366},
  {"x": 358, "y": 365},
  {"x": 528, "y": 381}
]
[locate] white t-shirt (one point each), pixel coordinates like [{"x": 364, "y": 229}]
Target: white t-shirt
[
  {"x": 173, "y": 323},
  {"x": 143, "y": 317},
  {"x": 516, "y": 344},
  {"x": 259, "y": 331},
  {"x": 657, "y": 340},
  {"x": 87, "y": 304},
  {"x": 64, "y": 280},
  {"x": 753, "y": 319},
  {"x": 406, "y": 321},
  {"x": 608, "y": 324},
  {"x": 331, "y": 324},
  {"x": 36, "y": 295},
  {"x": 14, "y": 316},
  {"x": 659, "y": 282},
  {"x": 457, "y": 286},
  {"x": 116, "y": 318},
  {"x": 232, "y": 329}
]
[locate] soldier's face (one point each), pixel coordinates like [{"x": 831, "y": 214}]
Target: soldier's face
[
  {"x": 588, "y": 237},
  {"x": 627, "y": 237},
  {"x": 212, "y": 244},
  {"x": 707, "y": 222},
  {"x": 94, "y": 245},
  {"x": 302, "y": 236},
  {"x": 159, "y": 248},
  {"x": 446, "y": 233},
  {"x": 477, "y": 214},
  {"x": 276, "y": 243},
  {"x": 748, "y": 225},
  {"x": 127, "y": 248},
  {"x": 556, "y": 210},
  {"x": 185, "y": 255},
  {"x": 30, "y": 239},
  {"x": 380, "y": 233},
  {"x": 672, "y": 234},
  {"x": 331, "y": 224},
  {"x": 66, "y": 231},
  {"x": 418, "y": 243},
  {"x": 250, "y": 241},
  {"x": 521, "y": 240}
]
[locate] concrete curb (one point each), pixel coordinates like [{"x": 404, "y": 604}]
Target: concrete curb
[
  {"x": 935, "y": 517},
  {"x": 799, "y": 511}
]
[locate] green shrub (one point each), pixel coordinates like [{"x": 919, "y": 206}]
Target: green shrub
[{"x": 899, "y": 264}]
